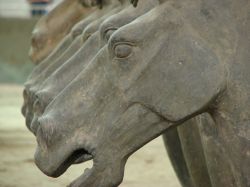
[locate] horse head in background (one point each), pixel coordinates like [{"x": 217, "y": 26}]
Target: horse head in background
[{"x": 53, "y": 27}]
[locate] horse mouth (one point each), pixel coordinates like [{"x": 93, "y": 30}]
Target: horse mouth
[
  {"x": 81, "y": 156},
  {"x": 76, "y": 157}
]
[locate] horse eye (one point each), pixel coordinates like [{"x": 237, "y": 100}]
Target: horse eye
[
  {"x": 108, "y": 33},
  {"x": 123, "y": 50}
]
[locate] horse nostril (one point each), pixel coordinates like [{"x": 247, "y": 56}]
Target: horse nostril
[
  {"x": 32, "y": 95},
  {"x": 37, "y": 106},
  {"x": 35, "y": 124},
  {"x": 42, "y": 98}
]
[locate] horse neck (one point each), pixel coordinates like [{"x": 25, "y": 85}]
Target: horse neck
[
  {"x": 231, "y": 114},
  {"x": 224, "y": 26},
  {"x": 219, "y": 23}
]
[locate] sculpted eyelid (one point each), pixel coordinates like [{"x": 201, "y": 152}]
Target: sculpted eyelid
[
  {"x": 107, "y": 30},
  {"x": 122, "y": 50},
  {"x": 118, "y": 40},
  {"x": 122, "y": 43}
]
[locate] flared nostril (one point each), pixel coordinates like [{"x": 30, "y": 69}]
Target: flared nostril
[
  {"x": 35, "y": 124},
  {"x": 32, "y": 95},
  {"x": 37, "y": 107},
  {"x": 42, "y": 99},
  {"x": 46, "y": 130},
  {"x": 38, "y": 103},
  {"x": 28, "y": 118}
]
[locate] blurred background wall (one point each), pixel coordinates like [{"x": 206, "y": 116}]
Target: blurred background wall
[
  {"x": 14, "y": 46},
  {"x": 16, "y": 25}
]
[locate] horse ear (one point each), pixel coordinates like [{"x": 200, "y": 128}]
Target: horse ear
[
  {"x": 183, "y": 79},
  {"x": 193, "y": 76}
]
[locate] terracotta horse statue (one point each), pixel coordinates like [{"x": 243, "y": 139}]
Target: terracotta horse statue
[
  {"x": 180, "y": 61},
  {"x": 53, "y": 27},
  {"x": 57, "y": 81},
  {"x": 46, "y": 68}
]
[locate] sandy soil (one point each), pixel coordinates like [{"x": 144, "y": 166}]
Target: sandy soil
[{"x": 149, "y": 167}]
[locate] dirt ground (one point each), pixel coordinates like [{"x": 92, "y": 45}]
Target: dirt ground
[{"x": 149, "y": 167}]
